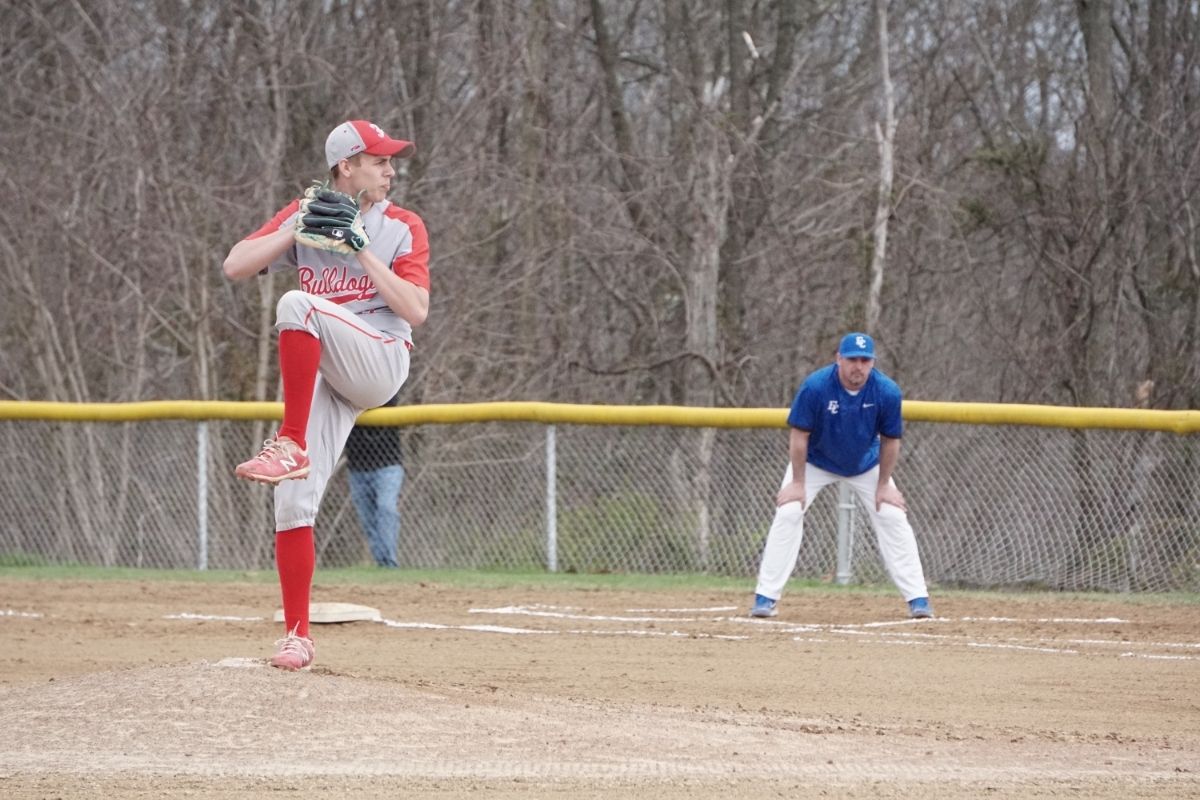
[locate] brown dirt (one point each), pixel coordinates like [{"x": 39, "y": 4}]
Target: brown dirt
[{"x": 107, "y": 689}]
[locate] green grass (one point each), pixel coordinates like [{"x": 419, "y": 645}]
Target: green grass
[{"x": 502, "y": 579}]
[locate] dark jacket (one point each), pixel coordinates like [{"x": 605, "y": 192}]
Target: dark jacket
[{"x": 373, "y": 447}]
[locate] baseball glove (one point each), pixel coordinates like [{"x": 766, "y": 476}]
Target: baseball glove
[{"x": 330, "y": 220}]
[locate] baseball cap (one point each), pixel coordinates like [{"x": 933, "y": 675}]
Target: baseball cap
[
  {"x": 359, "y": 136},
  {"x": 857, "y": 345}
]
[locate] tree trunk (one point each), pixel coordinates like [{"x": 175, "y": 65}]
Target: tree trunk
[{"x": 884, "y": 135}]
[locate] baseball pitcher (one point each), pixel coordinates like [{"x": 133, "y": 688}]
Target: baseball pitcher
[{"x": 344, "y": 337}]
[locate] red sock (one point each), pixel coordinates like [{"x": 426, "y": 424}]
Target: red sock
[
  {"x": 295, "y": 558},
  {"x": 299, "y": 358}
]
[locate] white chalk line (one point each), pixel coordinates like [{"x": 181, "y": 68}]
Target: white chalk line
[
  {"x": 669, "y": 634},
  {"x": 585, "y": 632},
  {"x": 909, "y": 638},
  {"x": 953, "y": 640},
  {"x": 1043, "y": 620},
  {"x": 531, "y": 611},
  {"x": 437, "y": 626},
  {"x": 1194, "y": 645},
  {"x": 1008, "y": 646},
  {"x": 1159, "y": 657},
  {"x": 915, "y": 638},
  {"x": 867, "y": 629},
  {"x": 212, "y": 617},
  {"x": 873, "y": 630},
  {"x": 884, "y": 632},
  {"x": 999, "y": 646},
  {"x": 680, "y": 610}
]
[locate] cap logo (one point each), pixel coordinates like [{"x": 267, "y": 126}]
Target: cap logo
[
  {"x": 378, "y": 130},
  {"x": 860, "y": 342}
]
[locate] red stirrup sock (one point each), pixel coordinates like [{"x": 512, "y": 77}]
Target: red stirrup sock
[
  {"x": 299, "y": 359},
  {"x": 295, "y": 558}
]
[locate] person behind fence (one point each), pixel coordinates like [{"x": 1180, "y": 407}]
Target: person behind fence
[
  {"x": 845, "y": 427},
  {"x": 344, "y": 338},
  {"x": 376, "y": 475}
]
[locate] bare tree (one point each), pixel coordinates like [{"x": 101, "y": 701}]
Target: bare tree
[
  {"x": 884, "y": 135},
  {"x": 640, "y": 202}
]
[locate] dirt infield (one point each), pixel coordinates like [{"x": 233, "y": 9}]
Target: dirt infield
[{"x": 131, "y": 689}]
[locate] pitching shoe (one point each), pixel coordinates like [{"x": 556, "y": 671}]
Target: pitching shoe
[
  {"x": 293, "y": 652},
  {"x": 280, "y": 459},
  {"x": 763, "y": 606},
  {"x": 919, "y": 608}
]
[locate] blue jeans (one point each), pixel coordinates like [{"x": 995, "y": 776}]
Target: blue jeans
[{"x": 376, "y": 495}]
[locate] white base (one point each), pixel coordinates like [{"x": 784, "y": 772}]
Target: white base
[
  {"x": 338, "y": 612},
  {"x": 241, "y": 663}
]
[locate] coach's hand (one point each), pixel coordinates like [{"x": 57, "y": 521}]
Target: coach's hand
[
  {"x": 888, "y": 493},
  {"x": 791, "y": 493}
]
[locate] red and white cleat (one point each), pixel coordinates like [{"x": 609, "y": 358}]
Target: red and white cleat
[
  {"x": 293, "y": 652},
  {"x": 280, "y": 460}
]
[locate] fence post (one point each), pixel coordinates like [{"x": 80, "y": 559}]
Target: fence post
[
  {"x": 551, "y": 501},
  {"x": 202, "y": 495},
  {"x": 845, "y": 534}
]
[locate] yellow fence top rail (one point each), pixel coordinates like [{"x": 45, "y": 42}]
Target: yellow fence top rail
[{"x": 1182, "y": 422}]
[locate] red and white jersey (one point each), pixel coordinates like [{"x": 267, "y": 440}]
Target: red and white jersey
[{"x": 397, "y": 237}]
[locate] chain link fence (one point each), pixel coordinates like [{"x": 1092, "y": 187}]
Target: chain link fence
[{"x": 992, "y": 506}]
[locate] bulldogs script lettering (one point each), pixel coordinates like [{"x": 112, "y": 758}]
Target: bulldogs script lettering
[{"x": 336, "y": 282}]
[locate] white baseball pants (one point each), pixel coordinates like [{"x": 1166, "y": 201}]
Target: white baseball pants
[
  {"x": 897, "y": 544},
  {"x": 361, "y": 368}
]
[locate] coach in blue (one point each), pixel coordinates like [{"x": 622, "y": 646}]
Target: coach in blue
[{"x": 845, "y": 426}]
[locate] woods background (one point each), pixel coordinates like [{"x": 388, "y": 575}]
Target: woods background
[{"x": 630, "y": 202}]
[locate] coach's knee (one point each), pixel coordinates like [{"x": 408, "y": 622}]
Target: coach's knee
[
  {"x": 892, "y": 514},
  {"x": 893, "y": 522},
  {"x": 790, "y": 513}
]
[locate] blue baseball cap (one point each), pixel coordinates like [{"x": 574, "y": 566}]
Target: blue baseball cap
[{"x": 857, "y": 345}]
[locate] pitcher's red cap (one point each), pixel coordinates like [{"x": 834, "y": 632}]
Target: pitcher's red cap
[{"x": 359, "y": 136}]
